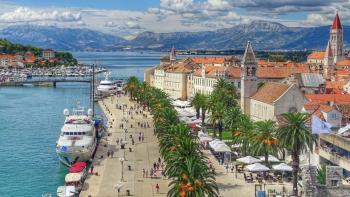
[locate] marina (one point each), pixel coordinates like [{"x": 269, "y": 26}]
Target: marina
[{"x": 33, "y": 121}]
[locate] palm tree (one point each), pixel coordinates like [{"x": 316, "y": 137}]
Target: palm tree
[
  {"x": 264, "y": 139},
  {"x": 231, "y": 118},
  {"x": 204, "y": 106},
  {"x": 294, "y": 134},
  {"x": 217, "y": 117},
  {"x": 243, "y": 135},
  {"x": 196, "y": 103},
  {"x": 131, "y": 86}
]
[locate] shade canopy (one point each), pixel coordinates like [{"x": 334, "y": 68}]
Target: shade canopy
[
  {"x": 282, "y": 167},
  {"x": 78, "y": 167},
  {"x": 271, "y": 158},
  {"x": 73, "y": 177},
  {"x": 249, "y": 160},
  {"x": 257, "y": 167},
  {"x": 220, "y": 148}
]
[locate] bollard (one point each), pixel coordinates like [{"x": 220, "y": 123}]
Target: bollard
[
  {"x": 130, "y": 149},
  {"x": 128, "y": 192},
  {"x": 129, "y": 167}
]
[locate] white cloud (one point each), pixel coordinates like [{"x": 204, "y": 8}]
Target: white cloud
[{"x": 23, "y": 14}]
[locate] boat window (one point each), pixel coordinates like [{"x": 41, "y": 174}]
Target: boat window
[{"x": 75, "y": 133}]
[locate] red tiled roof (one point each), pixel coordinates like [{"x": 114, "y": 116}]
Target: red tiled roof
[
  {"x": 324, "y": 98},
  {"x": 208, "y": 60},
  {"x": 270, "y": 92},
  {"x": 316, "y": 55},
  {"x": 344, "y": 62},
  {"x": 336, "y": 22}
]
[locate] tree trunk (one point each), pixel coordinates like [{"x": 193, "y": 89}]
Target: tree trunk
[
  {"x": 295, "y": 166},
  {"x": 203, "y": 117},
  {"x": 220, "y": 130},
  {"x": 197, "y": 112}
]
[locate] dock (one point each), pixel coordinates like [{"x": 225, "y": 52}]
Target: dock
[{"x": 143, "y": 155}]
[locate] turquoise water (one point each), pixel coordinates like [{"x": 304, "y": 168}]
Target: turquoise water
[{"x": 30, "y": 122}]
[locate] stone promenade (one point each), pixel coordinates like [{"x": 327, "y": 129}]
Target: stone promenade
[{"x": 143, "y": 155}]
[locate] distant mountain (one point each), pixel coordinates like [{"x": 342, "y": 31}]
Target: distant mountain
[
  {"x": 263, "y": 34},
  {"x": 60, "y": 38}
]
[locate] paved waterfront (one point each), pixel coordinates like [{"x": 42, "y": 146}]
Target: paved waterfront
[
  {"x": 142, "y": 156},
  {"x": 229, "y": 185}
]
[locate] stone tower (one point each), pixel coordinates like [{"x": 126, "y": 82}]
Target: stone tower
[
  {"x": 172, "y": 56},
  {"x": 328, "y": 66},
  {"x": 248, "y": 78},
  {"x": 336, "y": 39}
]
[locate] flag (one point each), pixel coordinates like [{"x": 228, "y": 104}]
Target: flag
[{"x": 319, "y": 126}]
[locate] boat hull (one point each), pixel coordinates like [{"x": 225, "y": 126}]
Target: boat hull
[{"x": 68, "y": 157}]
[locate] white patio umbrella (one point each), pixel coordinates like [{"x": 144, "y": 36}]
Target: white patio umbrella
[
  {"x": 249, "y": 160},
  {"x": 282, "y": 167},
  {"x": 271, "y": 158},
  {"x": 221, "y": 148},
  {"x": 257, "y": 167}
]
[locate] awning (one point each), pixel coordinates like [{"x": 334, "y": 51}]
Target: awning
[
  {"x": 249, "y": 160},
  {"x": 257, "y": 167},
  {"x": 73, "y": 177}
]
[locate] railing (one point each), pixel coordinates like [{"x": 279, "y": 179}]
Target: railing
[{"x": 335, "y": 158}]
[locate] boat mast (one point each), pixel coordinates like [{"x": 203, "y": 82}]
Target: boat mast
[{"x": 92, "y": 90}]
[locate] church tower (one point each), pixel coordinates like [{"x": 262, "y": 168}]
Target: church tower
[
  {"x": 172, "y": 56},
  {"x": 336, "y": 39},
  {"x": 328, "y": 66},
  {"x": 248, "y": 78}
]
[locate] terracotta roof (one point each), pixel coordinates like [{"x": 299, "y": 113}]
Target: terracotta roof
[
  {"x": 270, "y": 92},
  {"x": 7, "y": 56},
  {"x": 179, "y": 67},
  {"x": 336, "y": 22},
  {"x": 344, "y": 62},
  {"x": 208, "y": 60},
  {"x": 335, "y": 84},
  {"x": 336, "y": 98},
  {"x": 316, "y": 55}
]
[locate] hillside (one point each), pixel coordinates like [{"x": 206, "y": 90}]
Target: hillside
[{"x": 264, "y": 36}]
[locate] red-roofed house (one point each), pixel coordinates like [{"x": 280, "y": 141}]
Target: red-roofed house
[
  {"x": 48, "y": 54},
  {"x": 316, "y": 57}
]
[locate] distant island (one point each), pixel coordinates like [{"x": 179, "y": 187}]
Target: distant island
[{"x": 18, "y": 55}]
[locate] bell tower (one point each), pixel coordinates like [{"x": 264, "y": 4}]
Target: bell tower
[
  {"x": 172, "y": 56},
  {"x": 336, "y": 39},
  {"x": 248, "y": 78}
]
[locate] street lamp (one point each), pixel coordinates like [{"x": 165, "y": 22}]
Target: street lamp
[{"x": 122, "y": 169}]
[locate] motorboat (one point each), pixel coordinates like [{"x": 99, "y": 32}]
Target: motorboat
[
  {"x": 107, "y": 86},
  {"x": 77, "y": 140},
  {"x": 73, "y": 180}
]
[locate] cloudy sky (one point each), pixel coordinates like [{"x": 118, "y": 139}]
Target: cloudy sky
[{"x": 127, "y": 18}]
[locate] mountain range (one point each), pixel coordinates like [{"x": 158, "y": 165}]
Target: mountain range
[{"x": 264, "y": 35}]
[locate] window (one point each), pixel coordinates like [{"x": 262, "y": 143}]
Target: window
[{"x": 334, "y": 183}]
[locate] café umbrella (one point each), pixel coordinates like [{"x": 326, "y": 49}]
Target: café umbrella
[
  {"x": 248, "y": 160},
  {"x": 257, "y": 167}
]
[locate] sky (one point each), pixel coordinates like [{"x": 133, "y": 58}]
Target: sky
[{"x": 127, "y": 18}]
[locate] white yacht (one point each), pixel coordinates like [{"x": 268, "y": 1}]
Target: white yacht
[
  {"x": 77, "y": 141},
  {"x": 107, "y": 86}
]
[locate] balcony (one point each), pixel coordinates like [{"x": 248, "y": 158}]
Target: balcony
[
  {"x": 337, "y": 140},
  {"x": 335, "y": 158}
]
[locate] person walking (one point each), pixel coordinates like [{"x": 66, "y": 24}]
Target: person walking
[
  {"x": 143, "y": 172},
  {"x": 142, "y": 137},
  {"x": 146, "y": 173},
  {"x": 157, "y": 188},
  {"x": 112, "y": 153},
  {"x": 91, "y": 169}
]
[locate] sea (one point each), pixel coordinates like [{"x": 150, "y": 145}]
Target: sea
[{"x": 31, "y": 119}]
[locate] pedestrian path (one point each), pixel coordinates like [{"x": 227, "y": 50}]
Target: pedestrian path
[{"x": 143, "y": 155}]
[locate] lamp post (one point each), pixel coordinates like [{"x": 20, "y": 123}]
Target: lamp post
[
  {"x": 122, "y": 169},
  {"x": 118, "y": 186}
]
